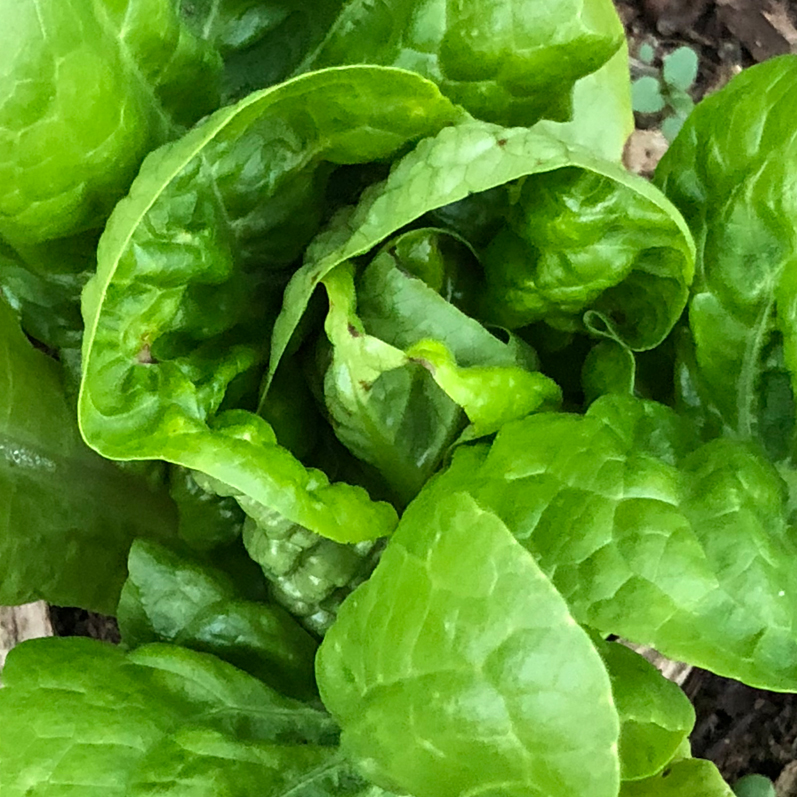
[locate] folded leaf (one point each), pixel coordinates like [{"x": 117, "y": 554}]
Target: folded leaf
[
  {"x": 81, "y": 716},
  {"x": 475, "y": 157},
  {"x": 178, "y": 307},
  {"x": 491, "y": 395},
  {"x": 732, "y": 180},
  {"x": 579, "y": 242},
  {"x": 173, "y": 598},
  {"x": 505, "y": 61},
  {"x": 693, "y": 777},
  {"x": 647, "y": 535},
  {"x": 656, "y": 717},
  {"x": 67, "y": 517},
  {"x": 386, "y": 409},
  {"x": 457, "y": 668}
]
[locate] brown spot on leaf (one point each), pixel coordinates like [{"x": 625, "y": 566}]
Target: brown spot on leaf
[
  {"x": 424, "y": 363},
  {"x": 144, "y": 355},
  {"x": 353, "y": 331},
  {"x": 365, "y": 385}
]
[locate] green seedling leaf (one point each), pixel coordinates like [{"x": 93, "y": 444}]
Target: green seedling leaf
[
  {"x": 646, "y": 53},
  {"x": 679, "y": 68},
  {"x": 646, "y": 96},
  {"x": 754, "y": 786}
]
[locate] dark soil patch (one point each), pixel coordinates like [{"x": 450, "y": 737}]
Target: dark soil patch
[{"x": 70, "y": 621}]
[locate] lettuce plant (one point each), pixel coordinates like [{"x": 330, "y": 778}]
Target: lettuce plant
[{"x": 347, "y": 366}]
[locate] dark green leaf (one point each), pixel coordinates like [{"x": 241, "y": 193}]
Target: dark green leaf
[
  {"x": 173, "y": 598},
  {"x": 67, "y": 517}
]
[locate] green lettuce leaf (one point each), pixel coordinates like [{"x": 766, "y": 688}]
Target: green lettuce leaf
[
  {"x": 89, "y": 89},
  {"x": 186, "y": 273},
  {"x": 207, "y": 520},
  {"x": 261, "y": 41},
  {"x": 608, "y": 368},
  {"x": 732, "y": 180},
  {"x": 693, "y": 777},
  {"x": 602, "y": 115},
  {"x": 475, "y": 157},
  {"x": 457, "y": 668},
  {"x": 384, "y": 407},
  {"x": 67, "y": 517},
  {"x": 506, "y": 61},
  {"x": 656, "y": 717},
  {"x": 170, "y": 597},
  {"x": 81, "y": 716},
  {"x": 649, "y": 535}
]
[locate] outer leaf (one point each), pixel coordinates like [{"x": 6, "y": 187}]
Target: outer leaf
[
  {"x": 67, "y": 517},
  {"x": 458, "y": 669},
  {"x": 88, "y": 89},
  {"x": 693, "y": 777},
  {"x": 683, "y": 549},
  {"x": 506, "y": 61},
  {"x": 82, "y": 717},
  {"x": 730, "y": 172},
  {"x": 475, "y": 157},
  {"x": 602, "y": 116},
  {"x": 656, "y": 717},
  {"x": 172, "y": 598},
  {"x": 173, "y": 314}
]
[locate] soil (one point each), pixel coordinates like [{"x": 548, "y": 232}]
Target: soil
[{"x": 743, "y": 730}]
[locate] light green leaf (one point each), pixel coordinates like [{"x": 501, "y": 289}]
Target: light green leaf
[
  {"x": 67, "y": 517},
  {"x": 754, "y": 786},
  {"x": 732, "y": 181},
  {"x": 656, "y": 717},
  {"x": 651, "y": 536},
  {"x": 172, "y": 598},
  {"x": 89, "y": 88},
  {"x": 178, "y": 306},
  {"x": 476, "y": 157},
  {"x": 399, "y": 306},
  {"x": 589, "y": 249},
  {"x": 506, "y": 61},
  {"x": 457, "y": 668},
  {"x": 602, "y": 113},
  {"x": 694, "y": 778},
  {"x": 491, "y": 395},
  {"x": 83, "y": 717}
]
